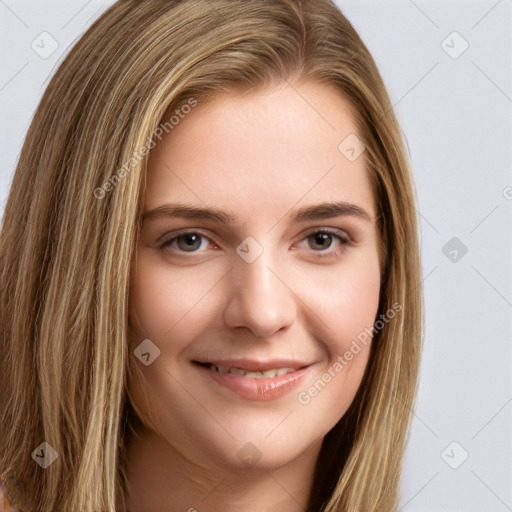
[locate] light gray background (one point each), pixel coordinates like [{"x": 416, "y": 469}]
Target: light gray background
[{"x": 456, "y": 112}]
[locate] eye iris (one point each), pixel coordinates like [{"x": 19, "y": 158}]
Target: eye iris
[
  {"x": 192, "y": 242},
  {"x": 320, "y": 239}
]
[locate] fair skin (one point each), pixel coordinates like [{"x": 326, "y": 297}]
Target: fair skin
[{"x": 286, "y": 299}]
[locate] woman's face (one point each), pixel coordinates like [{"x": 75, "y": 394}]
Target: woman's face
[{"x": 258, "y": 253}]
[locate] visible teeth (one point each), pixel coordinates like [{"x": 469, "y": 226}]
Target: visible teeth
[
  {"x": 275, "y": 372},
  {"x": 255, "y": 375},
  {"x": 219, "y": 369}
]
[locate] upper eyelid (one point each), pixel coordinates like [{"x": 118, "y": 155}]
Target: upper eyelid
[
  {"x": 165, "y": 240},
  {"x": 331, "y": 231}
]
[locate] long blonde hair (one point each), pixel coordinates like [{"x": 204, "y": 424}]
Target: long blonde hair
[{"x": 72, "y": 220}]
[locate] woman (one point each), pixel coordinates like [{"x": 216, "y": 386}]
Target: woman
[{"x": 210, "y": 275}]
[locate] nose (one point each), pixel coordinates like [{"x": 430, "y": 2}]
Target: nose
[{"x": 259, "y": 298}]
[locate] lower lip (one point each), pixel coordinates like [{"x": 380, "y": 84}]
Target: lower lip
[{"x": 263, "y": 389}]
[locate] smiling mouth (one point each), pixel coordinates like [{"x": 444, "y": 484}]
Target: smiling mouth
[
  {"x": 264, "y": 374},
  {"x": 257, "y": 380}
]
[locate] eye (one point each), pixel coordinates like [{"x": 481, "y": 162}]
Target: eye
[
  {"x": 322, "y": 240},
  {"x": 189, "y": 241}
]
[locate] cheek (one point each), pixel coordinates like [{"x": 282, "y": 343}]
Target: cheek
[
  {"x": 345, "y": 300},
  {"x": 170, "y": 308},
  {"x": 168, "y": 304},
  {"x": 353, "y": 305},
  {"x": 350, "y": 304}
]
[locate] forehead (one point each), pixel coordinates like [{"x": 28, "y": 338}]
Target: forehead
[{"x": 264, "y": 150}]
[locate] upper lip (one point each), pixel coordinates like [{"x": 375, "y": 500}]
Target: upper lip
[{"x": 256, "y": 365}]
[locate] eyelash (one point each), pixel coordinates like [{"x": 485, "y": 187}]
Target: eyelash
[{"x": 344, "y": 239}]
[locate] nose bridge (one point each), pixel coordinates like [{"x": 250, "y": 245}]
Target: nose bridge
[{"x": 258, "y": 297}]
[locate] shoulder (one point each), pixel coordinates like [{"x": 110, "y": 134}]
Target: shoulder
[{"x": 6, "y": 500}]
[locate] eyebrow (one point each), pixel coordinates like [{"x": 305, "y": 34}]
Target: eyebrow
[{"x": 314, "y": 212}]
